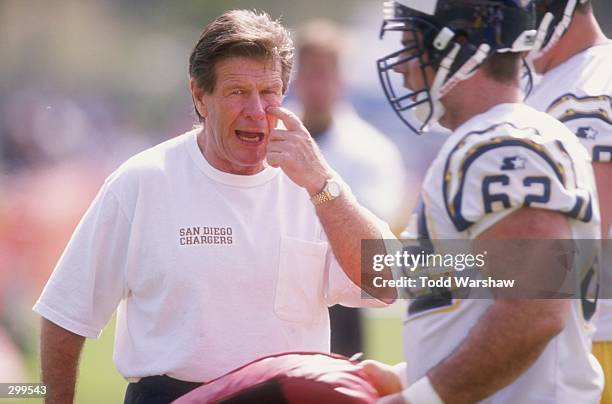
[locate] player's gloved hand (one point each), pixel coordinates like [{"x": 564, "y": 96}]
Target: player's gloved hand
[
  {"x": 295, "y": 152},
  {"x": 383, "y": 377}
]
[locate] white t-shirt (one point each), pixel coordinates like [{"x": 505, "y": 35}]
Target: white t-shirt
[
  {"x": 494, "y": 164},
  {"x": 578, "y": 92},
  {"x": 210, "y": 270}
]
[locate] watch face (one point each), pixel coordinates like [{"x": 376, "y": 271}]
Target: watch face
[{"x": 333, "y": 188}]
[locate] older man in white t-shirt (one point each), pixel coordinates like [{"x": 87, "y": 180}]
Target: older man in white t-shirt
[{"x": 219, "y": 246}]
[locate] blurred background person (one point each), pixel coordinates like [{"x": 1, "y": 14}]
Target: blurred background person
[{"x": 369, "y": 162}]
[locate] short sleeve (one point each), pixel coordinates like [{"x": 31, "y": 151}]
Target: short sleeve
[
  {"x": 88, "y": 281},
  {"x": 590, "y": 119},
  {"x": 487, "y": 175}
]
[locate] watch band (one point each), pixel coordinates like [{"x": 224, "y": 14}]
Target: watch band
[
  {"x": 330, "y": 191},
  {"x": 320, "y": 197}
]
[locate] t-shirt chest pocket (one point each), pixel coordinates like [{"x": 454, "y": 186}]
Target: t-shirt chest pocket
[{"x": 301, "y": 278}]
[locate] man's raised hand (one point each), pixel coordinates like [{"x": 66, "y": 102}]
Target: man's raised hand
[{"x": 296, "y": 153}]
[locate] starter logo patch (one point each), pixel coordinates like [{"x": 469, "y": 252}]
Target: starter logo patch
[
  {"x": 514, "y": 163},
  {"x": 587, "y": 132}
]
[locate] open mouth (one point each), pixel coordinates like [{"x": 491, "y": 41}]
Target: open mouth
[{"x": 250, "y": 137}]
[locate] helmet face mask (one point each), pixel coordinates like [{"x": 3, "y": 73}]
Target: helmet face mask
[
  {"x": 404, "y": 99},
  {"x": 450, "y": 44}
]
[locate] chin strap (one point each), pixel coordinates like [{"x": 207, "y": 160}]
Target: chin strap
[
  {"x": 538, "y": 48},
  {"x": 441, "y": 86},
  {"x": 467, "y": 70},
  {"x": 437, "y": 107}
]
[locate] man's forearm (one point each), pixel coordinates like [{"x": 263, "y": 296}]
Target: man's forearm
[
  {"x": 507, "y": 339},
  {"x": 346, "y": 224},
  {"x": 59, "y": 350}
]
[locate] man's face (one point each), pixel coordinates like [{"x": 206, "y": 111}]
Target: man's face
[
  {"x": 318, "y": 82},
  {"x": 416, "y": 78},
  {"x": 411, "y": 70},
  {"x": 236, "y": 127}
]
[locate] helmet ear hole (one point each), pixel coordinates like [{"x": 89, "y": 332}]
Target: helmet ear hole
[{"x": 462, "y": 38}]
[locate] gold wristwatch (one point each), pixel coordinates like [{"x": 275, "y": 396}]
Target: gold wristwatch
[{"x": 331, "y": 191}]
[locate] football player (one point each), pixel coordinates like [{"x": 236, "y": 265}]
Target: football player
[
  {"x": 507, "y": 172},
  {"x": 575, "y": 58}
]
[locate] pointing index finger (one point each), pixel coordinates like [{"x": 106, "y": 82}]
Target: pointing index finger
[{"x": 291, "y": 121}]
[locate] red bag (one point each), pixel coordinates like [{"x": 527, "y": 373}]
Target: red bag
[{"x": 293, "y": 378}]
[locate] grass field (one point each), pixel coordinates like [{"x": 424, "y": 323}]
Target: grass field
[{"x": 99, "y": 382}]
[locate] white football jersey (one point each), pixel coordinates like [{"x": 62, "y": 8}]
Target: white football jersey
[
  {"x": 578, "y": 92},
  {"x": 506, "y": 158}
]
